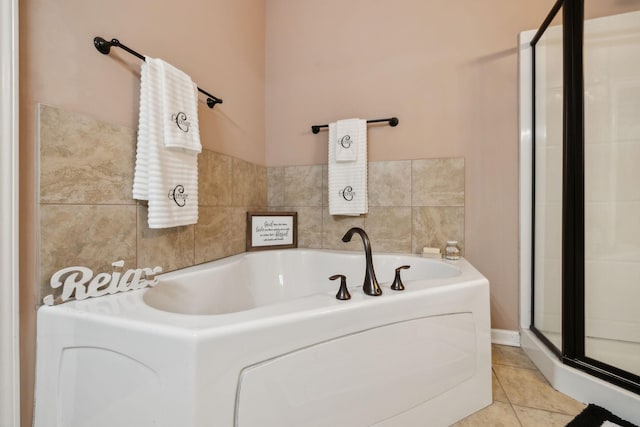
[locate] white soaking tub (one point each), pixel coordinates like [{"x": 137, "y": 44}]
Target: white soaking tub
[{"x": 259, "y": 339}]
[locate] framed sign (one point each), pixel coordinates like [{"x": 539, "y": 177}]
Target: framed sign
[{"x": 272, "y": 230}]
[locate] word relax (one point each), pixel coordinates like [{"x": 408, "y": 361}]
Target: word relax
[{"x": 80, "y": 282}]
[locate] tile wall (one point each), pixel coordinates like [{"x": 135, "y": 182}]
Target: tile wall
[
  {"x": 89, "y": 218},
  {"x": 412, "y": 204}
]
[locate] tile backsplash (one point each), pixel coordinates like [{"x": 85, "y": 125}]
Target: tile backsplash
[
  {"x": 89, "y": 218},
  {"x": 412, "y": 204}
]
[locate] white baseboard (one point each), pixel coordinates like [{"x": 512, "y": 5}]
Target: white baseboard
[{"x": 505, "y": 337}]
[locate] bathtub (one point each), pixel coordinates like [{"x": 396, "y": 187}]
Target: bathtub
[{"x": 259, "y": 339}]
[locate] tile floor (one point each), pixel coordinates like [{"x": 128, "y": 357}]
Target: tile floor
[{"x": 521, "y": 395}]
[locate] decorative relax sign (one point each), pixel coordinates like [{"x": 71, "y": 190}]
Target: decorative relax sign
[
  {"x": 272, "y": 230},
  {"x": 80, "y": 282}
]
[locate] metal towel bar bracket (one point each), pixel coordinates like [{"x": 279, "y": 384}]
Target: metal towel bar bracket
[{"x": 104, "y": 47}]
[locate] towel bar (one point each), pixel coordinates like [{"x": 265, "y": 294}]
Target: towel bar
[
  {"x": 104, "y": 47},
  {"x": 393, "y": 121}
]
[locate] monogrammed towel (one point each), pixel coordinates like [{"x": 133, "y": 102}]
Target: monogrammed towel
[
  {"x": 347, "y": 135},
  {"x": 166, "y": 177},
  {"x": 180, "y": 109},
  {"x": 348, "y": 180}
]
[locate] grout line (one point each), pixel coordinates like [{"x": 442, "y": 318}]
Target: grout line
[
  {"x": 546, "y": 410},
  {"x": 193, "y": 251},
  {"x": 86, "y": 204},
  {"x": 414, "y": 243},
  {"x": 515, "y": 366},
  {"x": 501, "y": 387},
  {"x": 526, "y": 405},
  {"x": 137, "y": 236},
  {"x": 515, "y": 413}
]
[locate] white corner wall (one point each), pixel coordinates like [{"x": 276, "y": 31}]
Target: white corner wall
[{"x": 9, "y": 327}]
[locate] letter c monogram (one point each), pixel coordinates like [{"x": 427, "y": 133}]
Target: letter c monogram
[
  {"x": 345, "y": 141},
  {"x": 178, "y": 196},
  {"x": 347, "y": 193}
]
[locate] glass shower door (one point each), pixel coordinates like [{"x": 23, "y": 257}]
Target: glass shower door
[
  {"x": 612, "y": 190},
  {"x": 547, "y": 260},
  {"x": 586, "y": 207}
]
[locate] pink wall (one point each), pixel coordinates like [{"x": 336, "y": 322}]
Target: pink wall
[
  {"x": 219, "y": 43},
  {"x": 447, "y": 70}
]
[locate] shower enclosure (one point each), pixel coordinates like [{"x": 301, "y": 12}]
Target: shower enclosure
[{"x": 582, "y": 128}]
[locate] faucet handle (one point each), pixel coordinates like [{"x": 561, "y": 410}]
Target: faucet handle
[
  {"x": 397, "y": 281},
  {"x": 343, "y": 292}
]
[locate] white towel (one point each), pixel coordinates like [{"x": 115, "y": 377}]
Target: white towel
[
  {"x": 348, "y": 180},
  {"x": 347, "y": 133},
  {"x": 180, "y": 109},
  {"x": 166, "y": 177}
]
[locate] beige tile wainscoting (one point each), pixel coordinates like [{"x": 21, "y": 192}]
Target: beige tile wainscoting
[
  {"x": 412, "y": 204},
  {"x": 521, "y": 395},
  {"x": 88, "y": 216}
]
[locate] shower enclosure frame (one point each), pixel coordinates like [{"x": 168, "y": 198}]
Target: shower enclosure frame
[{"x": 573, "y": 334}]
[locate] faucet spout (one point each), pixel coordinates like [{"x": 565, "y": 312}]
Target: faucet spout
[{"x": 370, "y": 286}]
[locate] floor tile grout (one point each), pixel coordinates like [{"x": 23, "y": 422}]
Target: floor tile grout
[
  {"x": 522, "y": 413},
  {"x": 516, "y": 415},
  {"x": 515, "y": 366},
  {"x": 501, "y": 386},
  {"x": 543, "y": 410}
]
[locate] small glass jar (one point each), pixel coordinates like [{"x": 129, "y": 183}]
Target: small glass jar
[{"x": 451, "y": 251}]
